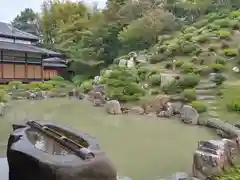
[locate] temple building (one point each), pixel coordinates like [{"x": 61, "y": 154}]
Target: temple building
[{"x": 21, "y": 59}]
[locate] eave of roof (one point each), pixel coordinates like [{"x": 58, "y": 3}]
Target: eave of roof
[
  {"x": 54, "y": 59},
  {"x": 26, "y": 48},
  {"x": 54, "y": 65}
]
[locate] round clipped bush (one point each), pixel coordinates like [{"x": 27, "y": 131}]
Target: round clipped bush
[
  {"x": 155, "y": 80},
  {"x": 87, "y": 86},
  {"x": 15, "y": 84},
  {"x": 179, "y": 63},
  {"x": 200, "y": 106},
  {"x": 230, "y": 52},
  {"x": 156, "y": 58},
  {"x": 234, "y": 105},
  {"x": 217, "y": 67},
  {"x": 189, "y": 95},
  {"x": 45, "y": 86},
  {"x": 188, "y": 68},
  {"x": 57, "y": 78},
  {"x": 224, "y": 34},
  {"x": 189, "y": 81},
  {"x": 34, "y": 85}
]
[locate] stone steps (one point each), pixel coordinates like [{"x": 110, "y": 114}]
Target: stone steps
[
  {"x": 205, "y": 97},
  {"x": 205, "y": 91}
]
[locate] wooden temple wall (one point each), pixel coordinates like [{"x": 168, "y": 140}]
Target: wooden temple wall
[{"x": 20, "y": 71}]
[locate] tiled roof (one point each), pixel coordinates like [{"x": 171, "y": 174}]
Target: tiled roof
[
  {"x": 26, "y": 48},
  {"x": 8, "y": 30}
]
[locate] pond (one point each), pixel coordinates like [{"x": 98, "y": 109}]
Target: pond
[{"x": 141, "y": 147}]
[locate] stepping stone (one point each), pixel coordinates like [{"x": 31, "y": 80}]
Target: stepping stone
[
  {"x": 213, "y": 114},
  {"x": 212, "y": 108},
  {"x": 204, "y": 91},
  {"x": 206, "y": 86},
  {"x": 205, "y": 97}
]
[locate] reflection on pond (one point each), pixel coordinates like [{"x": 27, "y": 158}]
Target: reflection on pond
[{"x": 45, "y": 143}]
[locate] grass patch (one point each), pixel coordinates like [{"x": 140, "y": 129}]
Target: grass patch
[{"x": 228, "y": 94}]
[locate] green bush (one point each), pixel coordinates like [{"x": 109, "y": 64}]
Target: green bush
[
  {"x": 78, "y": 79},
  {"x": 155, "y": 80},
  {"x": 57, "y": 78},
  {"x": 188, "y": 68},
  {"x": 122, "y": 84},
  {"x": 218, "y": 79},
  {"x": 87, "y": 86},
  {"x": 201, "y": 23},
  {"x": 3, "y": 96},
  {"x": 202, "y": 38},
  {"x": 179, "y": 63},
  {"x": 45, "y": 86},
  {"x": 189, "y": 81},
  {"x": 230, "y": 52},
  {"x": 223, "y": 23},
  {"x": 234, "y": 105},
  {"x": 200, "y": 106},
  {"x": 189, "y": 95},
  {"x": 171, "y": 88},
  {"x": 187, "y": 47},
  {"x": 156, "y": 58},
  {"x": 213, "y": 47},
  {"x": 33, "y": 85},
  {"x": 220, "y": 60},
  {"x": 204, "y": 70},
  {"x": 224, "y": 34},
  {"x": 217, "y": 67},
  {"x": 15, "y": 84}
]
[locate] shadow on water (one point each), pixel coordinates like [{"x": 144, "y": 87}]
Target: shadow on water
[{"x": 141, "y": 147}]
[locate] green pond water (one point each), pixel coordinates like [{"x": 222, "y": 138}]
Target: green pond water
[{"x": 141, "y": 147}]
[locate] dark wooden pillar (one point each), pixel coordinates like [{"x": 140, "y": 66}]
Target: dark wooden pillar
[
  {"x": 26, "y": 70},
  {"x": 2, "y": 69}
]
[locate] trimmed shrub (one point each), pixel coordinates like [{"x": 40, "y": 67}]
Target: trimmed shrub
[
  {"x": 224, "y": 34},
  {"x": 87, "y": 86},
  {"x": 220, "y": 60},
  {"x": 200, "y": 106},
  {"x": 155, "y": 80},
  {"x": 78, "y": 79},
  {"x": 179, "y": 63},
  {"x": 234, "y": 105},
  {"x": 217, "y": 67},
  {"x": 57, "y": 78},
  {"x": 34, "y": 85},
  {"x": 156, "y": 58},
  {"x": 189, "y": 81},
  {"x": 230, "y": 52},
  {"x": 3, "y": 96},
  {"x": 45, "y": 86},
  {"x": 189, "y": 95},
  {"x": 188, "y": 68},
  {"x": 172, "y": 88},
  {"x": 223, "y": 23},
  {"x": 15, "y": 84},
  {"x": 204, "y": 70}
]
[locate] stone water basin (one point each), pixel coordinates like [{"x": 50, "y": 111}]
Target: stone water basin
[{"x": 50, "y": 152}]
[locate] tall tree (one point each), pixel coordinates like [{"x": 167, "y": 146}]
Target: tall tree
[{"x": 27, "y": 21}]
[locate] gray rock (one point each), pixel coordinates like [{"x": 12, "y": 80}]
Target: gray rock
[
  {"x": 28, "y": 162},
  {"x": 137, "y": 110},
  {"x": 176, "y": 106},
  {"x": 189, "y": 115},
  {"x": 113, "y": 107}
]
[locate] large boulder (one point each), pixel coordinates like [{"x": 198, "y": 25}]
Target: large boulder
[
  {"x": 189, "y": 115},
  {"x": 33, "y": 155},
  {"x": 113, "y": 107},
  {"x": 213, "y": 157}
]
